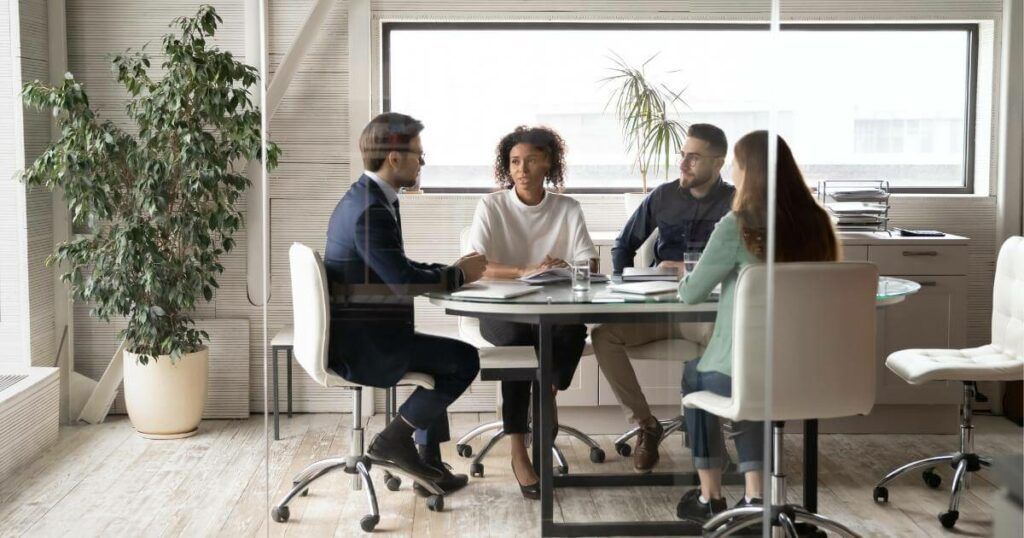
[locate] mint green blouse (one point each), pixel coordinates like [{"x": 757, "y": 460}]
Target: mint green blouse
[{"x": 721, "y": 261}]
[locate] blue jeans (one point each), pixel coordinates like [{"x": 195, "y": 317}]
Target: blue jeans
[{"x": 705, "y": 429}]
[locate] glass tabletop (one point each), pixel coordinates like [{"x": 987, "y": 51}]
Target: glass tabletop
[
  {"x": 892, "y": 287},
  {"x": 889, "y": 289}
]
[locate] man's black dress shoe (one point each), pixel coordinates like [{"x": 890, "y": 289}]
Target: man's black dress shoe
[
  {"x": 449, "y": 484},
  {"x": 402, "y": 453}
]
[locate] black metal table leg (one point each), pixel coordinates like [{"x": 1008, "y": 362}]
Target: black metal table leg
[
  {"x": 811, "y": 465},
  {"x": 535, "y": 425},
  {"x": 277, "y": 422},
  {"x": 288, "y": 370},
  {"x": 546, "y": 399}
]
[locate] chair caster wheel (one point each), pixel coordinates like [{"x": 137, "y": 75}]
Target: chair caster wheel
[
  {"x": 392, "y": 482},
  {"x": 881, "y": 494},
  {"x": 476, "y": 469},
  {"x": 948, "y": 519},
  {"x": 367, "y": 523},
  {"x": 465, "y": 451},
  {"x": 624, "y": 450},
  {"x": 931, "y": 478},
  {"x": 435, "y": 503},
  {"x": 597, "y": 455},
  {"x": 280, "y": 513}
]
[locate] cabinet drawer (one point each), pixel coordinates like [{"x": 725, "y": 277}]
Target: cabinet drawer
[
  {"x": 855, "y": 253},
  {"x": 919, "y": 260}
]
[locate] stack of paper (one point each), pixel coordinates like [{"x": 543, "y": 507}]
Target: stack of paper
[
  {"x": 857, "y": 214},
  {"x": 492, "y": 290},
  {"x": 647, "y": 274},
  {"x": 860, "y": 195},
  {"x": 558, "y": 274}
]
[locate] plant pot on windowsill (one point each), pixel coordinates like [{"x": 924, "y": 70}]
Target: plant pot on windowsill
[{"x": 165, "y": 398}]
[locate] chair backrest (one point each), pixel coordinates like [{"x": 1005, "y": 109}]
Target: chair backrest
[
  {"x": 645, "y": 254},
  {"x": 469, "y": 328},
  {"x": 1008, "y": 298},
  {"x": 311, "y": 313},
  {"x": 824, "y": 358}
]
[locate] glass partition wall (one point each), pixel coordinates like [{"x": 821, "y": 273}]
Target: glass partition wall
[{"x": 594, "y": 167}]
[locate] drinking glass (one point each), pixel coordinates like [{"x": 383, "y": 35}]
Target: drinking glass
[
  {"x": 581, "y": 275},
  {"x": 690, "y": 260}
]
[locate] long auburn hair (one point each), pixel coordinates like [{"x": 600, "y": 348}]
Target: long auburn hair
[{"x": 803, "y": 230}]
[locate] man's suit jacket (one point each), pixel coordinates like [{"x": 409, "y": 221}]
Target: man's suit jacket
[{"x": 372, "y": 285}]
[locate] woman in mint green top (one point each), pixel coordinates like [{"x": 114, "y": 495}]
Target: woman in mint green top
[
  {"x": 720, "y": 263},
  {"x": 803, "y": 232}
]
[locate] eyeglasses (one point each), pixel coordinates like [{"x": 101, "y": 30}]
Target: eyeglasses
[
  {"x": 694, "y": 158},
  {"x": 422, "y": 155}
]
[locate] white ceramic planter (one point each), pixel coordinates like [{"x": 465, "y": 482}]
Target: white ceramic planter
[{"x": 165, "y": 400}]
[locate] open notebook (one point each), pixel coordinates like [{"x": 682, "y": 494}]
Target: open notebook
[
  {"x": 491, "y": 290},
  {"x": 646, "y": 274},
  {"x": 555, "y": 275}
]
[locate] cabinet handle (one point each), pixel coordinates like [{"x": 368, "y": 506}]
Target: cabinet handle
[
  {"x": 928, "y": 283},
  {"x": 920, "y": 253}
]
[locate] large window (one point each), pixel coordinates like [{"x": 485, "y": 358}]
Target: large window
[{"x": 876, "y": 101}]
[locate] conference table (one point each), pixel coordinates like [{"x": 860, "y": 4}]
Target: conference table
[{"x": 557, "y": 304}]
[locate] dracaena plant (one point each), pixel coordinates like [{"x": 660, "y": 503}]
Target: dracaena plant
[
  {"x": 160, "y": 199},
  {"x": 642, "y": 107}
]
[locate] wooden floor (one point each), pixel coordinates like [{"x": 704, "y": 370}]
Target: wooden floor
[{"x": 106, "y": 481}]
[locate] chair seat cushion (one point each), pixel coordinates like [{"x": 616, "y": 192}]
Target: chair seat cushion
[
  {"x": 712, "y": 403},
  {"x": 508, "y": 357},
  {"x": 284, "y": 337},
  {"x": 985, "y": 363},
  {"x": 415, "y": 379},
  {"x": 674, "y": 349}
]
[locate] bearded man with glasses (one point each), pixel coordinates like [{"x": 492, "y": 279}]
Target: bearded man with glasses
[{"x": 684, "y": 212}]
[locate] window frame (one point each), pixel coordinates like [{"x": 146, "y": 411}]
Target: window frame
[{"x": 971, "y": 91}]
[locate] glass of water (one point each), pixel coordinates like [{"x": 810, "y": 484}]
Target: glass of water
[
  {"x": 690, "y": 259},
  {"x": 581, "y": 275}
]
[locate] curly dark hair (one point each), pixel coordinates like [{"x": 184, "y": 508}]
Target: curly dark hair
[{"x": 542, "y": 138}]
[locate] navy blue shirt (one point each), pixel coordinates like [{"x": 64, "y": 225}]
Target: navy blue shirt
[{"x": 684, "y": 222}]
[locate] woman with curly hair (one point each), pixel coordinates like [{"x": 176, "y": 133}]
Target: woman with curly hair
[{"x": 522, "y": 228}]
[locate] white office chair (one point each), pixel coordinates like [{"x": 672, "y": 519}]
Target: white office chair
[
  {"x": 823, "y": 366},
  {"x": 311, "y": 315},
  {"x": 1002, "y": 360},
  {"x": 673, "y": 349},
  {"x": 492, "y": 358}
]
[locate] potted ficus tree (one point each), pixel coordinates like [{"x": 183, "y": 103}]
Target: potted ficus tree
[
  {"x": 642, "y": 107},
  {"x": 161, "y": 203}
]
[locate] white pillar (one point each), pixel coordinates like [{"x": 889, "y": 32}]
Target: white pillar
[
  {"x": 1010, "y": 188},
  {"x": 359, "y": 105}
]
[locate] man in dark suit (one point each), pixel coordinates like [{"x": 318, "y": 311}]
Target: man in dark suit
[{"x": 373, "y": 341}]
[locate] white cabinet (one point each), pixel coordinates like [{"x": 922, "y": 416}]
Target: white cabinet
[{"x": 935, "y": 317}]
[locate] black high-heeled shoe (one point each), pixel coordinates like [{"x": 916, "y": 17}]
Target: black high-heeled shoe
[{"x": 531, "y": 491}]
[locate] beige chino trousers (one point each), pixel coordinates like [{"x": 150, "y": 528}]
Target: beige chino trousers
[{"x": 610, "y": 342}]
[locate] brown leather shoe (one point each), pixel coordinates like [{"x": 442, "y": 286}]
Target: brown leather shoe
[{"x": 645, "y": 455}]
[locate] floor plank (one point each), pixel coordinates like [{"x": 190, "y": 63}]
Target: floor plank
[{"x": 104, "y": 480}]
